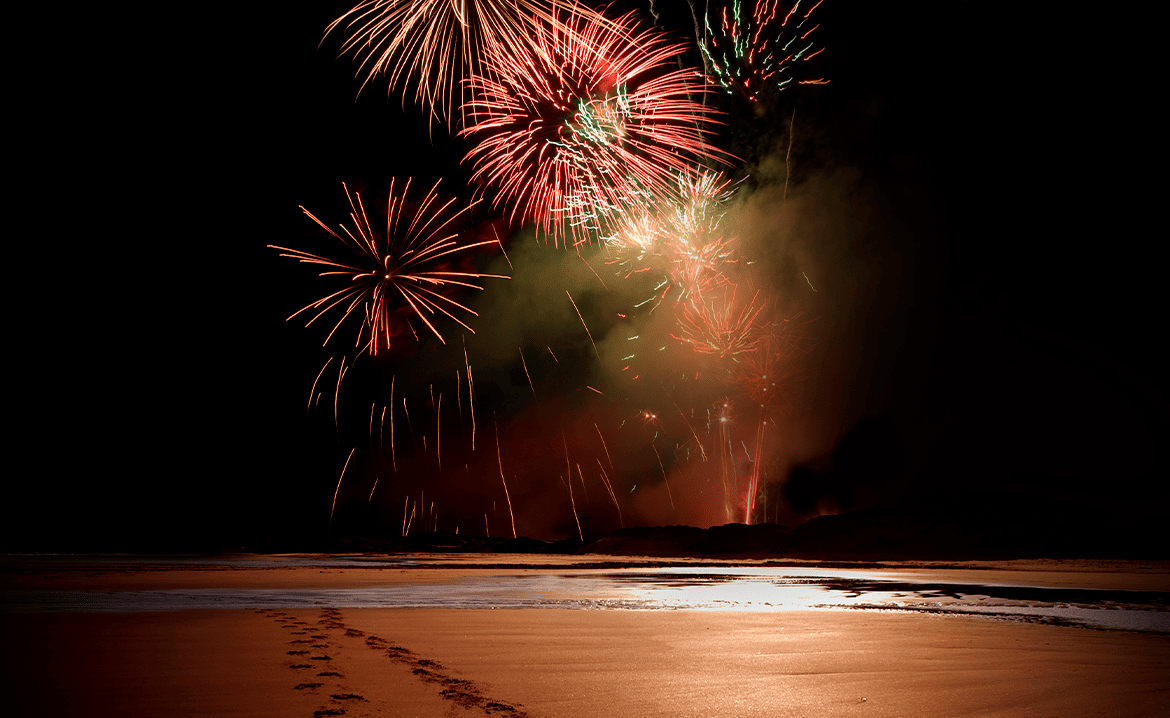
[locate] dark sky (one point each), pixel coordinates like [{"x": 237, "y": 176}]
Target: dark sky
[{"x": 982, "y": 331}]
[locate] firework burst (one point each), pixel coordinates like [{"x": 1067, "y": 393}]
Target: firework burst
[
  {"x": 586, "y": 114},
  {"x": 725, "y": 326},
  {"x": 432, "y": 44},
  {"x": 399, "y": 272},
  {"x": 678, "y": 237},
  {"x": 748, "y": 52}
]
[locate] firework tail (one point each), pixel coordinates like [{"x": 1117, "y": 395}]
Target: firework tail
[
  {"x": 754, "y": 481},
  {"x": 333, "y": 507},
  {"x": 612, "y": 495},
  {"x": 502, "y": 480},
  {"x": 569, "y": 481},
  {"x": 587, "y": 332},
  {"x": 664, "y": 480},
  {"x": 314, "y": 389},
  {"x": 530, "y": 386}
]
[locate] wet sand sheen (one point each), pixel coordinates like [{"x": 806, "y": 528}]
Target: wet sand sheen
[
  {"x": 544, "y": 663},
  {"x": 569, "y": 664}
]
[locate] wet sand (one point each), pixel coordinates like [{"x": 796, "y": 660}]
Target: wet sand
[{"x": 563, "y": 663}]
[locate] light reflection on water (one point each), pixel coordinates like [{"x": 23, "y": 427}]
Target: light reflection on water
[{"x": 689, "y": 588}]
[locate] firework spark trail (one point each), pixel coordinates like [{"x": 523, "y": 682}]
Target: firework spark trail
[
  {"x": 432, "y": 43},
  {"x": 530, "y": 386},
  {"x": 392, "y": 266},
  {"x": 314, "y": 389},
  {"x": 458, "y": 398},
  {"x": 663, "y": 469},
  {"x": 607, "y": 456},
  {"x": 698, "y": 442},
  {"x": 408, "y": 524},
  {"x": 439, "y": 433},
  {"x": 747, "y": 54},
  {"x": 372, "y": 490},
  {"x": 382, "y": 438},
  {"x": 754, "y": 479},
  {"x": 337, "y": 392},
  {"x": 502, "y": 250},
  {"x": 583, "y": 109},
  {"x": 612, "y": 495},
  {"x": 405, "y": 503},
  {"x": 587, "y": 332},
  {"x": 569, "y": 481},
  {"x": 393, "y": 457},
  {"x": 503, "y": 481},
  {"x": 333, "y": 507},
  {"x": 583, "y": 488},
  {"x": 470, "y": 396}
]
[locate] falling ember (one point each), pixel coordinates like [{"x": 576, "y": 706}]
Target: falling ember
[
  {"x": 663, "y": 469},
  {"x": 337, "y": 392},
  {"x": 569, "y": 481},
  {"x": 612, "y": 495},
  {"x": 336, "y": 490},
  {"x": 470, "y": 396},
  {"x": 530, "y": 386},
  {"x": 382, "y": 436},
  {"x": 393, "y": 273},
  {"x": 587, "y": 332},
  {"x": 502, "y": 480},
  {"x": 413, "y": 506},
  {"x": 314, "y": 389},
  {"x": 393, "y": 458},
  {"x": 607, "y": 456},
  {"x": 584, "y": 490}
]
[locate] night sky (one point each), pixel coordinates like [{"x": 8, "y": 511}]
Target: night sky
[{"x": 982, "y": 334}]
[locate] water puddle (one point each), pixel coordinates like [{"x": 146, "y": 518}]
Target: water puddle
[{"x": 648, "y": 589}]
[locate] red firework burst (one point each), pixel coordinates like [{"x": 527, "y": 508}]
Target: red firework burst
[
  {"x": 585, "y": 114},
  {"x": 431, "y": 44},
  {"x": 394, "y": 271},
  {"x": 726, "y": 327}
]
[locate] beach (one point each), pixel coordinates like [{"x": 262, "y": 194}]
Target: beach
[{"x": 559, "y": 662}]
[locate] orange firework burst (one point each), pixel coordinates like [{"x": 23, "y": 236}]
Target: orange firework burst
[
  {"x": 394, "y": 272},
  {"x": 584, "y": 114}
]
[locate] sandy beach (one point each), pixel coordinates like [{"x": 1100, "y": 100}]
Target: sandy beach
[{"x": 559, "y": 663}]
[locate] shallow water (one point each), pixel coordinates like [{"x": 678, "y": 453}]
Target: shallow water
[{"x": 748, "y": 588}]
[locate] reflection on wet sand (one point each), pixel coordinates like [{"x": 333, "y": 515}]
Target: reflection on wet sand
[{"x": 688, "y": 587}]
